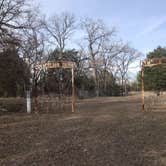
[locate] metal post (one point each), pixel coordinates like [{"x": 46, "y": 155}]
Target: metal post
[
  {"x": 28, "y": 97},
  {"x": 73, "y": 90},
  {"x": 143, "y": 90}
]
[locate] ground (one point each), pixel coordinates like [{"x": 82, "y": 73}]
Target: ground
[{"x": 102, "y": 132}]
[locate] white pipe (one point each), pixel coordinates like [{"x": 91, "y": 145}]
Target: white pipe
[{"x": 28, "y": 102}]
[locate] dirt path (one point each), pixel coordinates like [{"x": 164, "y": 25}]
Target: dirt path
[{"x": 103, "y": 132}]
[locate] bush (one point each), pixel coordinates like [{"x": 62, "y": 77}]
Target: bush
[{"x": 12, "y": 104}]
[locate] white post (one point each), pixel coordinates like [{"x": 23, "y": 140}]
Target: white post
[
  {"x": 73, "y": 90},
  {"x": 28, "y": 102}
]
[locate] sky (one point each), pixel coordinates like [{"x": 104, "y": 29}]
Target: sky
[{"x": 140, "y": 22}]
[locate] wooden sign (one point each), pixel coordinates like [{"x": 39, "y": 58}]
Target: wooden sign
[
  {"x": 55, "y": 65},
  {"x": 154, "y": 62}
]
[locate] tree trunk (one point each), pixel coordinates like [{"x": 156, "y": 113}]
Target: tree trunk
[
  {"x": 95, "y": 79},
  {"x": 122, "y": 86}
]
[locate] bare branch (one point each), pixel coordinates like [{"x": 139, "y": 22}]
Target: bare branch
[{"x": 61, "y": 27}]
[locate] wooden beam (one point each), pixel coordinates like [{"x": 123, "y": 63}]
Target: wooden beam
[{"x": 143, "y": 90}]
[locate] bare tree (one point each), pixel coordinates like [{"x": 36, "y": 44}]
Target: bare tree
[
  {"x": 108, "y": 54},
  {"x": 123, "y": 61},
  {"x": 33, "y": 38},
  {"x": 12, "y": 17},
  {"x": 33, "y": 45},
  {"x": 96, "y": 34},
  {"x": 61, "y": 27},
  {"x": 33, "y": 50}
]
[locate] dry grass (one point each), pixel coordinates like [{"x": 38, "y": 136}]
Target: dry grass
[{"x": 103, "y": 131}]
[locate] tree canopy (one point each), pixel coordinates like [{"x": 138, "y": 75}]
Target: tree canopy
[{"x": 14, "y": 74}]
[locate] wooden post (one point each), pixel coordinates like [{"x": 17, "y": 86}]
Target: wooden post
[
  {"x": 73, "y": 90},
  {"x": 143, "y": 93}
]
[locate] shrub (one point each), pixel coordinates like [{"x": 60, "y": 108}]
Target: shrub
[{"x": 12, "y": 104}]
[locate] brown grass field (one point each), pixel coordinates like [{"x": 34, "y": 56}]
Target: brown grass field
[{"x": 102, "y": 132}]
